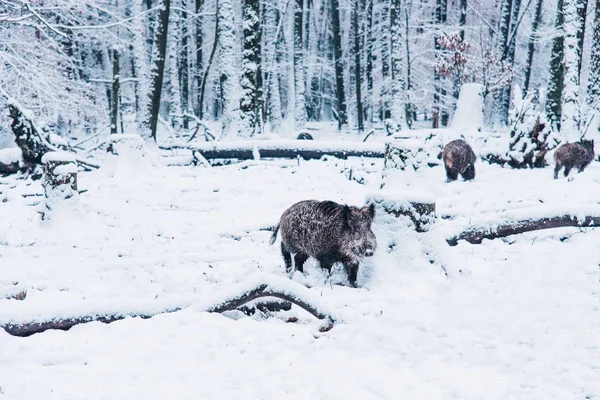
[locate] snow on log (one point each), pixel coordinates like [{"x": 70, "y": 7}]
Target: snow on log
[
  {"x": 307, "y": 149},
  {"x": 284, "y": 289},
  {"x": 420, "y": 208},
  {"x": 11, "y": 160},
  {"x": 60, "y": 177},
  {"x": 538, "y": 219}
]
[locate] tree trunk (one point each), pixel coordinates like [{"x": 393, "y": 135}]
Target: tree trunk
[
  {"x": 141, "y": 67},
  {"x": 158, "y": 70},
  {"x": 476, "y": 235},
  {"x": 228, "y": 67},
  {"x": 273, "y": 99},
  {"x": 462, "y": 21},
  {"x": 184, "y": 63},
  {"x": 594, "y": 79},
  {"x": 173, "y": 38},
  {"x": 582, "y": 6},
  {"x": 571, "y": 112},
  {"x": 384, "y": 37},
  {"x": 200, "y": 76},
  {"x": 531, "y": 46},
  {"x": 370, "y": 44},
  {"x": 358, "y": 72},
  {"x": 205, "y": 73},
  {"x": 556, "y": 82},
  {"x": 116, "y": 94},
  {"x": 299, "y": 84},
  {"x": 398, "y": 110},
  {"x": 440, "y": 115},
  {"x": 510, "y": 60},
  {"x": 342, "y": 113},
  {"x": 250, "y": 106}
]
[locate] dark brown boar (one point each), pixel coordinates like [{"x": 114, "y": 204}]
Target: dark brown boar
[
  {"x": 459, "y": 158},
  {"x": 569, "y": 155},
  {"x": 329, "y": 232}
]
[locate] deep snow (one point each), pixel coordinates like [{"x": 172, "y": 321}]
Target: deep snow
[{"x": 514, "y": 318}]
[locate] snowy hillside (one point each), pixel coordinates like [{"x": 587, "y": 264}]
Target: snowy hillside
[{"x": 513, "y": 318}]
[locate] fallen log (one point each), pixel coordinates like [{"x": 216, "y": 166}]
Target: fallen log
[
  {"x": 32, "y": 141},
  {"x": 25, "y": 329},
  {"x": 475, "y": 235},
  {"x": 306, "y": 149},
  {"x": 265, "y": 290}
]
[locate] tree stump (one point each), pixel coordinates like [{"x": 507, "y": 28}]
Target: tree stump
[
  {"x": 420, "y": 209},
  {"x": 60, "y": 177}
]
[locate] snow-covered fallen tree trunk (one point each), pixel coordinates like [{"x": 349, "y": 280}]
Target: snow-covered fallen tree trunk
[
  {"x": 306, "y": 149},
  {"x": 30, "y": 139},
  {"x": 288, "y": 291},
  {"x": 516, "y": 225}
]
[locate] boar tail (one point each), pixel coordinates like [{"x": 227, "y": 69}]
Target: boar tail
[{"x": 274, "y": 235}]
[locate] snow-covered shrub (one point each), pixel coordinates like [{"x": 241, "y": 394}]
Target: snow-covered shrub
[{"x": 531, "y": 135}]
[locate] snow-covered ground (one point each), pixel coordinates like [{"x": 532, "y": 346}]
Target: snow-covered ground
[{"x": 507, "y": 319}]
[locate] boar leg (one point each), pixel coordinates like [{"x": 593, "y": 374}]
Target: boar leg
[
  {"x": 556, "y": 169},
  {"x": 568, "y": 169},
  {"x": 287, "y": 258},
  {"x": 299, "y": 260},
  {"x": 451, "y": 175},
  {"x": 469, "y": 173},
  {"x": 325, "y": 264},
  {"x": 352, "y": 271}
]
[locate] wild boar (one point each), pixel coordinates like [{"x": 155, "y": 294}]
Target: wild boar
[{"x": 329, "y": 232}]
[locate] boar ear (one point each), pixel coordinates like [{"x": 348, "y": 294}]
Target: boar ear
[
  {"x": 346, "y": 216},
  {"x": 372, "y": 210}
]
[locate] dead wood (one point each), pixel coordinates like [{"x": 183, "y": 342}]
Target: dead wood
[
  {"x": 29, "y": 328},
  {"x": 476, "y": 235}
]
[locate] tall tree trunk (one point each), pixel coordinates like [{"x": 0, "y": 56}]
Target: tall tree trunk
[
  {"x": 229, "y": 77},
  {"x": 250, "y": 105},
  {"x": 557, "y": 71},
  {"x": 531, "y": 46},
  {"x": 582, "y": 13},
  {"x": 184, "y": 63},
  {"x": 158, "y": 70},
  {"x": 116, "y": 94},
  {"x": 173, "y": 67},
  {"x": 370, "y": 44},
  {"x": 299, "y": 84},
  {"x": 342, "y": 114},
  {"x": 141, "y": 66},
  {"x": 499, "y": 117},
  {"x": 273, "y": 99},
  {"x": 571, "y": 112},
  {"x": 593, "y": 98},
  {"x": 358, "y": 72},
  {"x": 440, "y": 115},
  {"x": 462, "y": 21},
  {"x": 199, "y": 58},
  {"x": 384, "y": 30},
  {"x": 398, "y": 110},
  {"x": 510, "y": 60},
  {"x": 410, "y": 109}
]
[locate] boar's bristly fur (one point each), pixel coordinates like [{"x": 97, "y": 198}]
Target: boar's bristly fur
[
  {"x": 569, "y": 155},
  {"x": 327, "y": 231},
  {"x": 459, "y": 158}
]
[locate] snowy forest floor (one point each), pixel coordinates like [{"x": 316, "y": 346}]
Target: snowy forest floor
[{"x": 516, "y": 318}]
